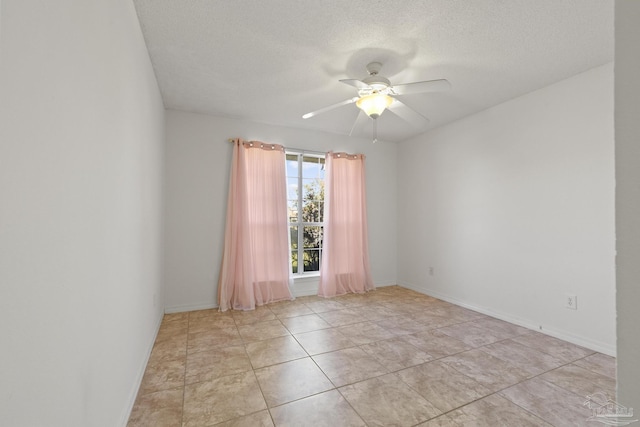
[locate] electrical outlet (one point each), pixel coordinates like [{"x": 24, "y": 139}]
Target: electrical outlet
[{"x": 571, "y": 301}]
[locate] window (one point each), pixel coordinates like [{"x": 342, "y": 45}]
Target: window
[{"x": 305, "y": 202}]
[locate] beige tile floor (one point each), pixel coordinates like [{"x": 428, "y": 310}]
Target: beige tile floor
[{"x": 391, "y": 357}]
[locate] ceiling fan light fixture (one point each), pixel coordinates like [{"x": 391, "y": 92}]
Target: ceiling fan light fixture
[{"x": 373, "y": 105}]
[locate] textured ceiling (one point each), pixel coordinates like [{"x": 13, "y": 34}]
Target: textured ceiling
[{"x": 272, "y": 61}]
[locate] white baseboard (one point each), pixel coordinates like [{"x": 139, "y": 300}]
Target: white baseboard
[
  {"x": 382, "y": 285},
  {"x": 303, "y": 287},
  {"x": 525, "y": 323},
  {"x": 189, "y": 307},
  {"x": 136, "y": 387},
  {"x": 309, "y": 288}
]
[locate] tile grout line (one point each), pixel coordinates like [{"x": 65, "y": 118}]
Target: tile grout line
[{"x": 497, "y": 392}]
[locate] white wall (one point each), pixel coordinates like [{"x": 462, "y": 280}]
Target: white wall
[
  {"x": 81, "y": 130},
  {"x": 197, "y": 165},
  {"x": 514, "y": 206},
  {"x": 627, "y": 126}
]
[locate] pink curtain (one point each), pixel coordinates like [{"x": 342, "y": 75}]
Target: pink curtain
[
  {"x": 255, "y": 265},
  {"x": 345, "y": 258}
]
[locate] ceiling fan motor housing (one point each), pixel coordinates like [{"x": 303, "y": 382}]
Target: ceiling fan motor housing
[{"x": 375, "y": 81}]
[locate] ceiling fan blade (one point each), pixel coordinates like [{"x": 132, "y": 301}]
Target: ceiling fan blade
[
  {"x": 421, "y": 87},
  {"x": 408, "y": 114},
  {"x": 358, "y": 84},
  {"x": 361, "y": 120},
  {"x": 330, "y": 107}
]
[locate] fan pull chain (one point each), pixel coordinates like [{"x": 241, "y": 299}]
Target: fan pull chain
[{"x": 375, "y": 131}]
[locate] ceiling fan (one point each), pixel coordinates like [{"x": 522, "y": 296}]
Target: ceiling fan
[{"x": 376, "y": 94}]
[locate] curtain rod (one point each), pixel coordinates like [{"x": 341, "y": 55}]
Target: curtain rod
[{"x": 297, "y": 150}]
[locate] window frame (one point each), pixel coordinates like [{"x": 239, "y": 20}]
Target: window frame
[{"x": 299, "y": 224}]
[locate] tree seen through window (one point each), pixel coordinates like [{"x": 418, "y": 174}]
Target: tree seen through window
[{"x": 305, "y": 193}]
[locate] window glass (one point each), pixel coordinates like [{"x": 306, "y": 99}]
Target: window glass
[{"x": 305, "y": 194}]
